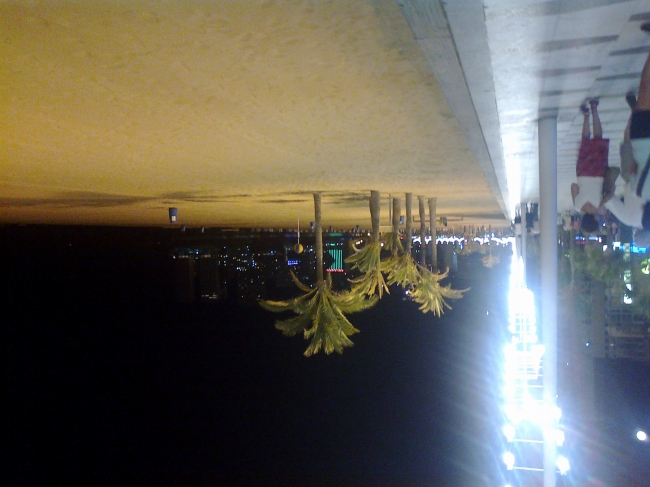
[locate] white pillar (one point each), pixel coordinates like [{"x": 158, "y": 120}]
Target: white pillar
[
  {"x": 524, "y": 238},
  {"x": 547, "y": 140}
]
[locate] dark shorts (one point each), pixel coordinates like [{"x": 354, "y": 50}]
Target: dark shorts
[
  {"x": 592, "y": 158},
  {"x": 640, "y": 126}
]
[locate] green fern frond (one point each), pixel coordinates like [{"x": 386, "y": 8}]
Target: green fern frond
[
  {"x": 297, "y": 304},
  {"x": 430, "y": 300},
  {"x": 449, "y": 293},
  {"x": 402, "y": 270},
  {"x": 368, "y": 262},
  {"x": 370, "y": 283},
  {"x": 470, "y": 246},
  {"x": 330, "y": 328},
  {"x": 321, "y": 317},
  {"x": 490, "y": 261},
  {"x": 427, "y": 275},
  {"x": 292, "y": 326},
  {"x": 367, "y": 258},
  {"x": 392, "y": 243},
  {"x": 349, "y": 302},
  {"x": 304, "y": 288},
  {"x": 431, "y": 295}
]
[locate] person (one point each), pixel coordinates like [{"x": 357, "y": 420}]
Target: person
[
  {"x": 633, "y": 208},
  {"x": 629, "y": 208},
  {"x": 591, "y": 169},
  {"x": 628, "y": 165},
  {"x": 640, "y": 130}
]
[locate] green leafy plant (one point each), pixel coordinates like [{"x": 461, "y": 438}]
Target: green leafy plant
[
  {"x": 470, "y": 246},
  {"x": 402, "y": 270},
  {"x": 367, "y": 260},
  {"x": 423, "y": 285},
  {"x": 321, "y": 316},
  {"x": 490, "y": 260},
  {"x": 431, "y": 295},
  {"x": 321, "y": 310}
]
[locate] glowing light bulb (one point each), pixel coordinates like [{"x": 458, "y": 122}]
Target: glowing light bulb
[
  {"x": 562, "y": 464},
  {"x": 509, "y": 432},
  {"x": 509, "y": 460}
]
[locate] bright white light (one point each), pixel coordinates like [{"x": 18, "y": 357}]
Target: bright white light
[
  {"x": 510, "y": 391},
  {"x": 509, "y": 432},
  {"x": 556, "y": 413},
  {"x": 559, "y": 437},
  {"x": 641, "y": 436},
  {"x": 562, "y": 464},
  {"x": 534, "y": 411},
  {"x": 509, "y": 460},
  {"x": 513, "y": 413}
]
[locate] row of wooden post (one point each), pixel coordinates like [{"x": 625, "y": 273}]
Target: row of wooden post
[{"x": 394, "y": 215}]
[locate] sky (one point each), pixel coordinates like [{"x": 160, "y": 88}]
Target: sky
[{"x": 233, "y": 112}]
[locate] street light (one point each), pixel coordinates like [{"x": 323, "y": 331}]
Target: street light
[
  {"x": 559, "y": 437},
  {"x": 509, "y": 460},
  {"x": 562, "y": 464},
  {"x": 509, "y": 432}
]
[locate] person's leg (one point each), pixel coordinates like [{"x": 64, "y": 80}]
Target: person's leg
[
  {"x": 598, "y": 128},
  {"x": 628, "y": 166},
  {"x": 585, "y": 123},
  {"x": 630, "y": 98},
  {"x": 640, "y": 127},
  {"x": 643, "y": 97}
]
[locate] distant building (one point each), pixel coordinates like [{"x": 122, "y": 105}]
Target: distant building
[
  {"x": 336, "y": 254},
  {"x": 184, "y": 290},
  {"x": 209, "y": 284}
]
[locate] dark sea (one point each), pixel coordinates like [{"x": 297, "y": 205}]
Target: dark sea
[{"x": 112, "y": 382}]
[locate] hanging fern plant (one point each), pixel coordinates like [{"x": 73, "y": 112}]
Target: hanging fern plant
[
  {"x": 368, "y": 259},
  {"x": 321, "y": 316},
  {"x": 423, "y": 285},
  {"x": 321, "y": 310}
]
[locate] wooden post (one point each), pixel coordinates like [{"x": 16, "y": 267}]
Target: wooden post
[
  {"x": 423, "y": 231},
  {"x": 434, "y": 247},
  {"x": 375, "y": 201},
  {"x": 397, "y": 211},
  {"x": 409, "y": 237},
  {"x": 318, "y": 228}
]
